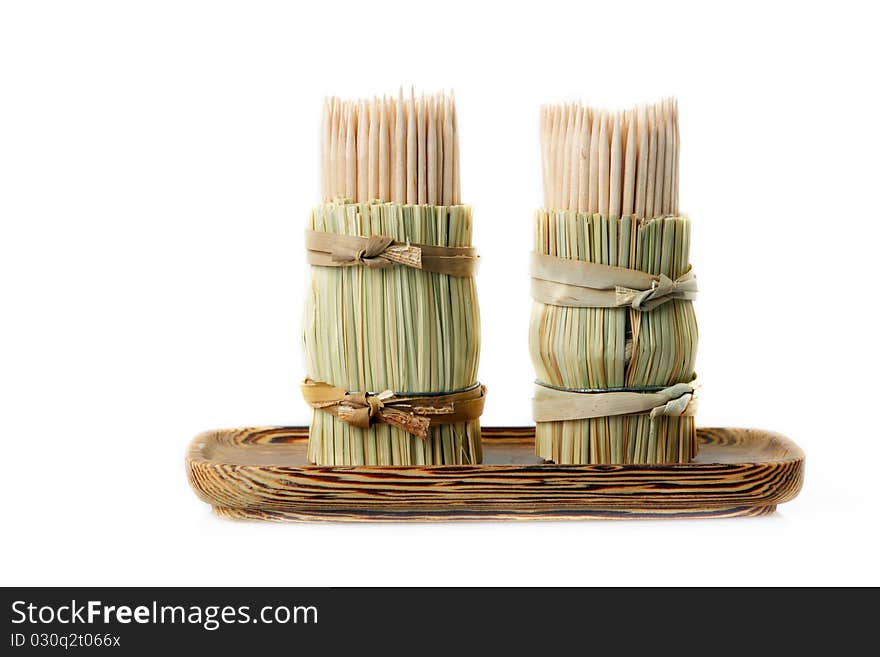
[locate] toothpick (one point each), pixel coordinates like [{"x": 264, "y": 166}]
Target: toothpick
[
  {"x": 432, "y": 151},
  {"x": 629, "y": 172},
  {"x": 373, "y": 159},
  {"x": 398, "y": 194},
  {"x": 448, "y": 158},
  {"x": 363, "y": 153},
  {"x": 615, "y": 174},
  {"x": 604, "y": 165},
  {"x": 412, "y": 152},
  {"x": 350, "y": 151}
]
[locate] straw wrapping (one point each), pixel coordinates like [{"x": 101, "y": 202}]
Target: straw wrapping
[
  {"x": 413, "y": 413},
  {"x": 325, "y": 249},
  {"x": 553, "y": 404},
  {"x": 606, "y": 348},
  {"x": 579, "y": 284}
]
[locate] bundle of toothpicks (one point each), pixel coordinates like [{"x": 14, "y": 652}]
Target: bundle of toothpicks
[
  {"x": 392, "y": 326},
  {"x": 613, "y": 334}
]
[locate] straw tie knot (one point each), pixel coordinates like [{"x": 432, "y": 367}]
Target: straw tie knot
[
  {"x": 380, "y": 251},
  {"x": 680, "y": 400},
  {"x": 364, "y": 408},
  {"x": 662, "y": 289},
  {"x": 376, "y": 404},
  {"x": 410, "y": 412},
  {"x": 371, "y": 254}
]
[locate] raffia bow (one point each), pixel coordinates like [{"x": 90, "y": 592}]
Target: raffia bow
[
  {"x": 581, "y": 284},
  {"x": 379, "y": 251},
  {"x": 413, "y": 414},
  {"x": 662, "y": 289}
]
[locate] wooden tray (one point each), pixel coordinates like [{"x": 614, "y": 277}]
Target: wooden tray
[{"x": 262, "y": 473}]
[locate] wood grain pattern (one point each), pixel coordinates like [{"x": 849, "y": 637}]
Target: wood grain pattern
[
  {"x": 262, "y": 473},
  {"x": 446, "y": 516}
]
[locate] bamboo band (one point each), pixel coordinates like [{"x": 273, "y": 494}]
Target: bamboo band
[
  {"x": 336, "y": 250},
  {"x": 580, "y": 284},
  {"x": 412, "y": 413},
  {"x": 553, "y": 404}
]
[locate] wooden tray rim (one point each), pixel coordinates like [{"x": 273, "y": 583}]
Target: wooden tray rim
[{"x": 490, "y": 434}]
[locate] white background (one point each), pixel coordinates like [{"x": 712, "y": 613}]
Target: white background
[{"x": 158, "y": 161}]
